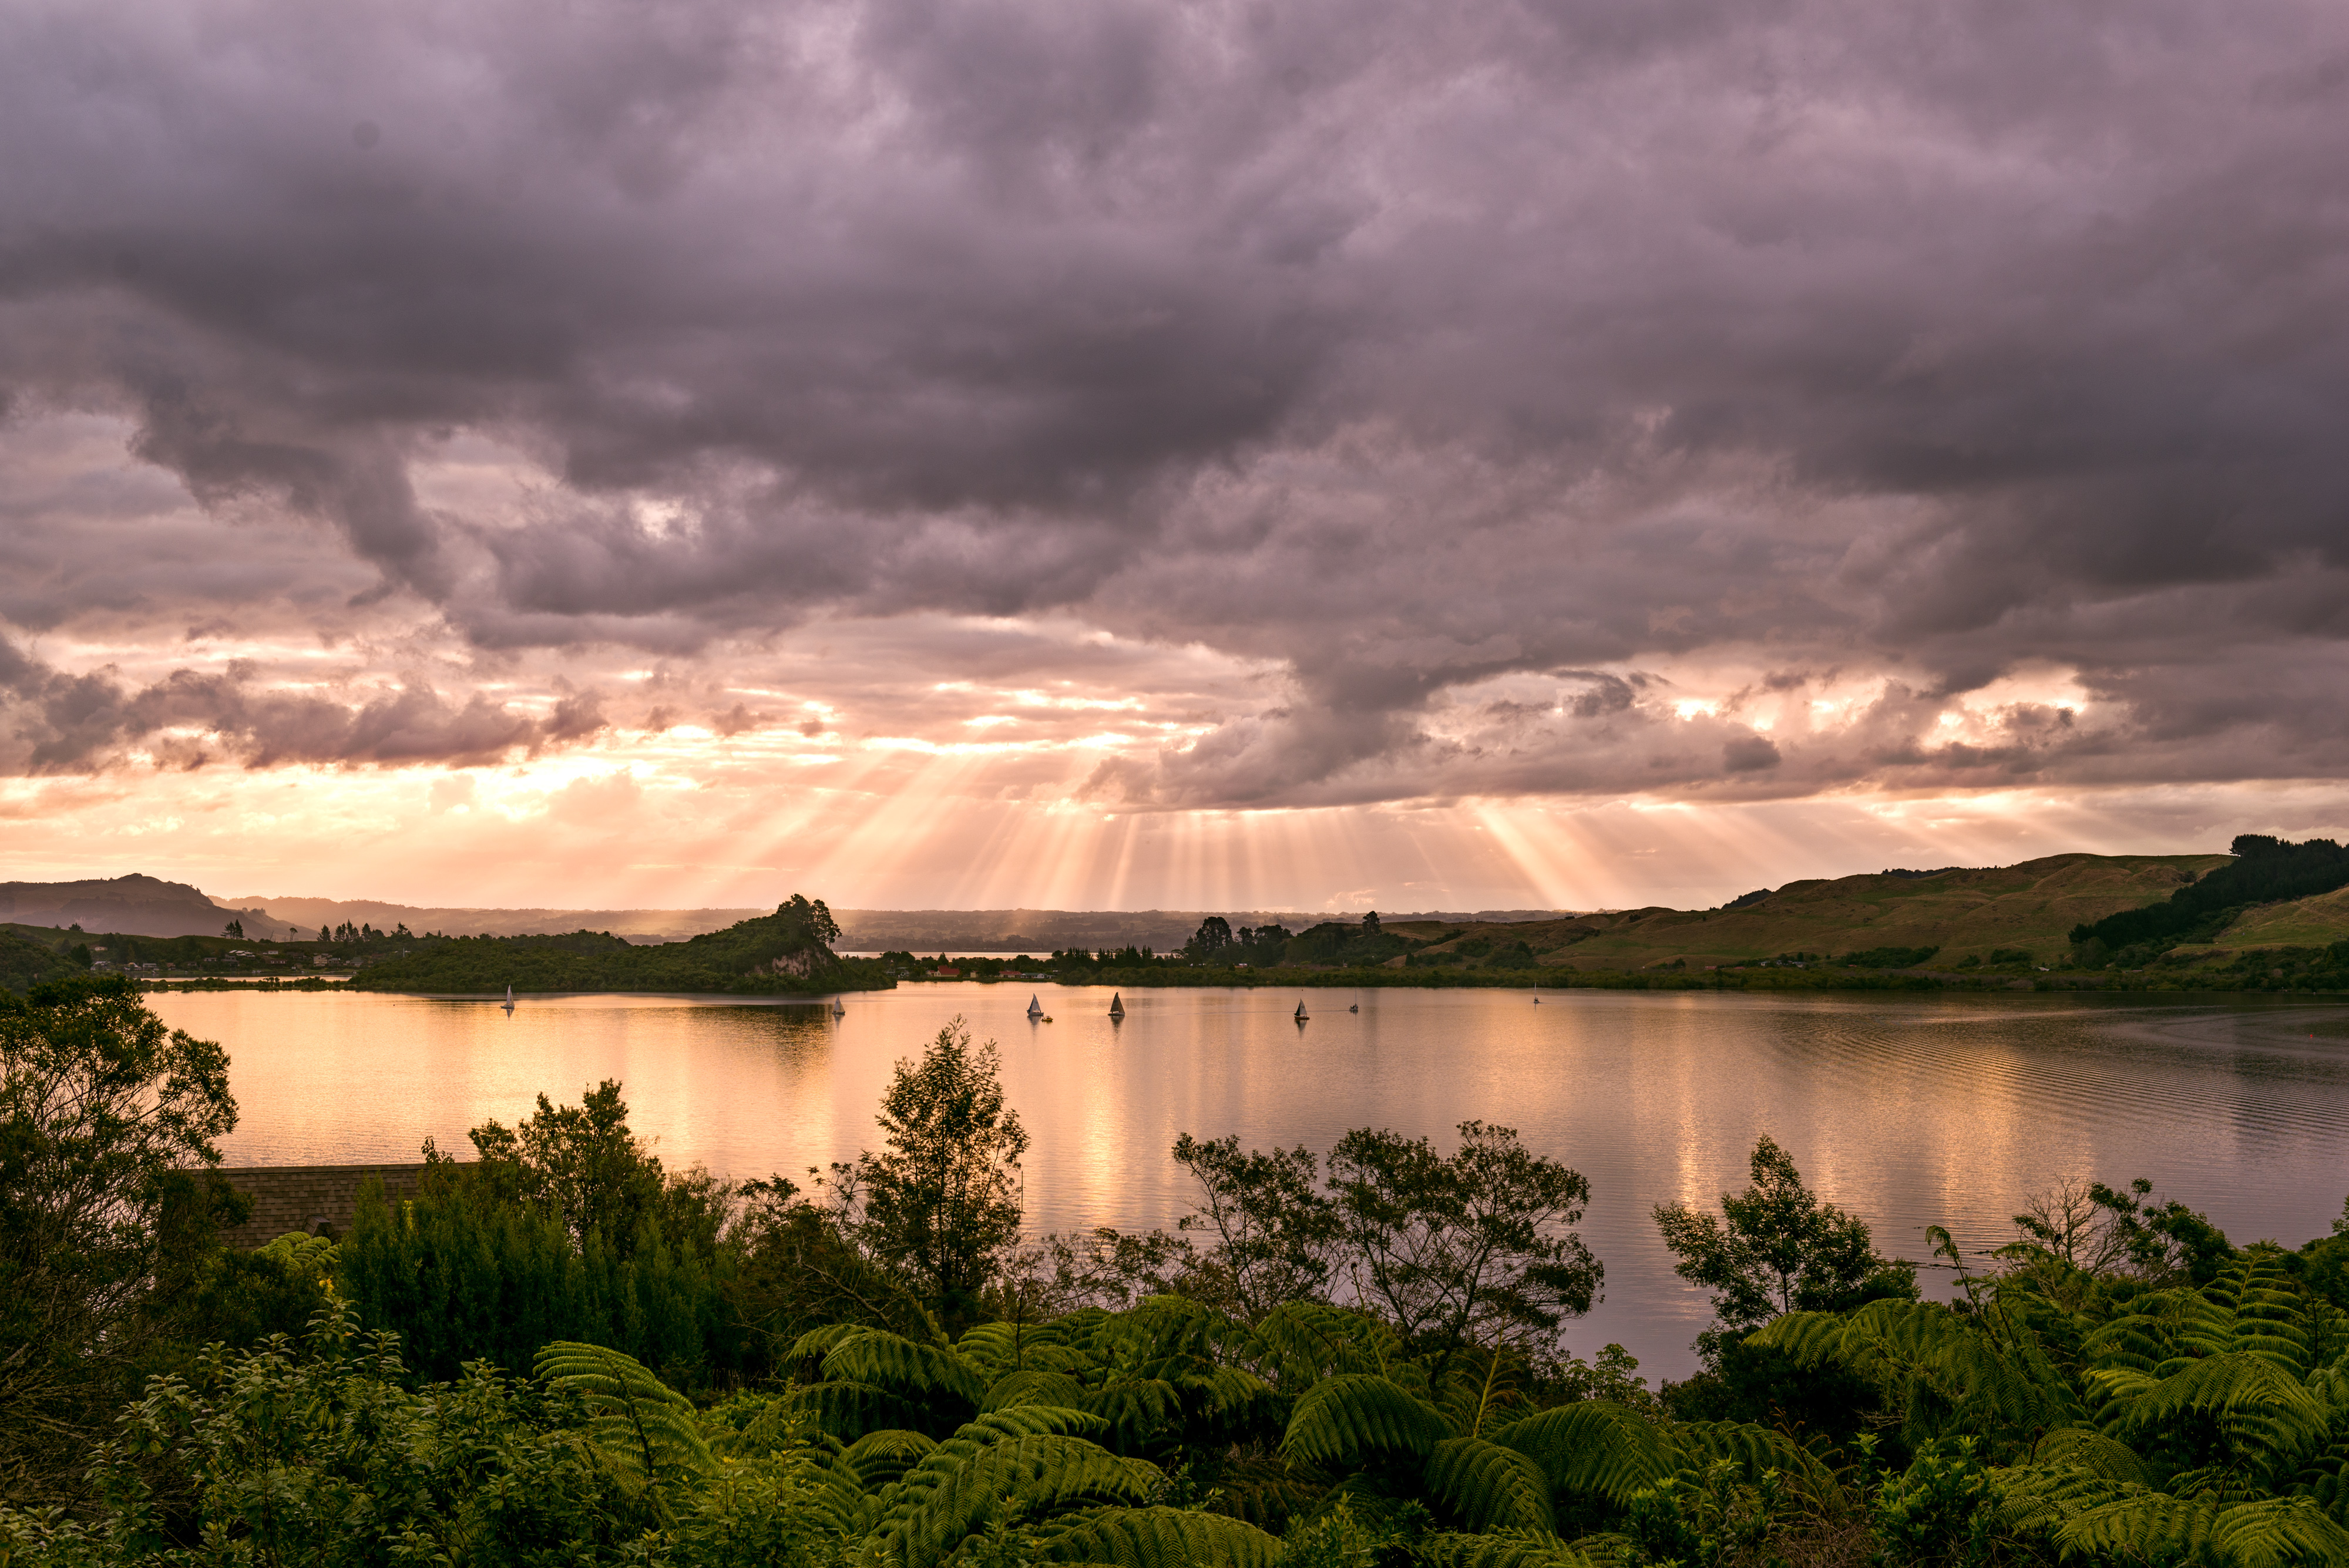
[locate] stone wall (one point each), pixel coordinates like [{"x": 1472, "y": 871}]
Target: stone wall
[{"x": 319, "y": 1200}]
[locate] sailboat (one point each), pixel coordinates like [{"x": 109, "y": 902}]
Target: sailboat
[
  {"x": 837, "y": 1010},
  {"x": 509, "y": 997},
  {"x": 1301, "y": 1011},
  {"x": 1035, "y": 1008},
  {"x": 1355, "y": 1008},
  {"x": 1116, "y": 1005}
]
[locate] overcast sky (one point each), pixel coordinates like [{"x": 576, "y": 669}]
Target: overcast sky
[{"x": 1550, "y": 452}]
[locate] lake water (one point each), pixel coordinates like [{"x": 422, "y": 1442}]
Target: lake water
[{"x": 1941, "y": 1110}]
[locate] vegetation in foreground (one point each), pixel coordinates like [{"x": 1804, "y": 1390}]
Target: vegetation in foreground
[{"x": 564, "y": 1353}]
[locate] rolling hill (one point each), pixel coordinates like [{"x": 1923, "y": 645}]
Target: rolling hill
[{"x": 1964, "y": 912}]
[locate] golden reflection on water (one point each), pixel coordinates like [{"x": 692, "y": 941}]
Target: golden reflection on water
[{"x": 1943, "y": 1111}]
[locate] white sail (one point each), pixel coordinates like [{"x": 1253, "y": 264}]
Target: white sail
[{"x": 1035, "y": 1010}]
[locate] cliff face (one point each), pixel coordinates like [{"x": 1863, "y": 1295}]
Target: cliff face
[{"x": 134, "y": 905}]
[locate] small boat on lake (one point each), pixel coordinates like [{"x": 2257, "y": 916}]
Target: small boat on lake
[
  {"x": 510, "y": 998},
  {"x": 1116, "y": 1005},
  {"x": 1035, "y": 1009},
  {"x": 837, "y": 1010},
  {"x": 1301, "y": 1011},
  {"x": 1355, "y": 1008}
]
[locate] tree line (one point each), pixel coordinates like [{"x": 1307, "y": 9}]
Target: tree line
[{"x": 562, "y": 1350}]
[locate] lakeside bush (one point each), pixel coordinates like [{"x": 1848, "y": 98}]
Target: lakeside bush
[{"x": 566, "y": 1353}]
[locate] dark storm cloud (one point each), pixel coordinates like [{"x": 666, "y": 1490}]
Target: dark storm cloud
[
  {"x": 1405, "y": 346},
  {"x": 51, "y": 722}
]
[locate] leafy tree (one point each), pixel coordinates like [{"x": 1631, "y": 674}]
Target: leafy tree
[
  {"x": 1214, "y": 936},
  {"x": 578, "y": 1163},
  {"x": 1775, "y": 1248},
  {"x": 1275, "y": 1235},
  {"x": 1472, "y": 1249},
  {"x": 101, "y": 1110},
  {"x": 942, "y": 1201}
]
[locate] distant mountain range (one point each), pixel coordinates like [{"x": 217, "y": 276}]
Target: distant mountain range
[{"x": 134, "y": 906}]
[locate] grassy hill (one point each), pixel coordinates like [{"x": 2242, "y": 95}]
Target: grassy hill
[{"x": 1964, "y": 912}]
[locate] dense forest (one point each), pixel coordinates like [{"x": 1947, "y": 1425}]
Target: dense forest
[
  {"x": 562, "y": 1351},
  {"x": 787, "y": 953}
]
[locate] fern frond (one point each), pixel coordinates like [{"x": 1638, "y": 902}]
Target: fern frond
[
  {"x": 2269, "y": 1418},
  {"x": 2146, "y": 1526},
  {"x": 1262, "y": 1489},
  {"x": 1344, "y": 1420},
  {"x": 818, "y": 1343},
  {"x": 1156, "y": 1538},
  {"x": 2090, "y": 1452},
  {"x": 1031, "y": 1421},
  {"x": 1033, "y": 1477},
  {"x": 1136, "y": 1409},
  {"x": 1595, "y": 1448},
  {"x": 850, "y": 1410},
  {"x": 993, "y": 1349},
  {"x": 880, "y": 1457},
  {"x": 1299, "y": 1343},
  {"x": 1755, "y": 1449},
  {"x": 2280, "y": 1529},
  {"x": 1501, "y": 1549},
  {"x": 1489, "y": 1487},
  {"x": 910, "y": 1371},
  {"x": 1032, "y": 1386},
  {"x": 644, "y": 1430}
]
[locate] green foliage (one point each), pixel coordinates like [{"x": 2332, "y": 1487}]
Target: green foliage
[
  {"x": 462, "y": 1274},
  {"x": 642, "y": 1432},
  {"x": 26, "y": 963},
  {"x": 941, "y": 1201},
  {"x": 1775, "y": 1248},
  {"x": 102, "y": 1230},
  {"x": 1156, "y": 1538},
  {"x": 1595, "y": 1449},
  {"x": 1351, "y": 1417},
  {"x": 1488, "y": 1487}
]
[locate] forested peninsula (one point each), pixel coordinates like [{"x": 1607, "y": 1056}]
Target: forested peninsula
[{"x": 786, "y": 954}]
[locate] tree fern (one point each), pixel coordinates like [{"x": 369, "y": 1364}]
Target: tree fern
[
  {"x": 1030, "y": 1477},
  {"x": 2085, "y": 1448},
  {"x": 644, "y": 1430},
  {"x": 993, "y": 1349},
  {"x": 850, "y": 1410},
  {"x": 1345, "y": 1420},
  {"x": 1595, "y": 1448},
  {"x": 1032, "y": 1386},
  {"x": 880, "y": 1457},
  {"x": 1297, "y": 1343},
  {"x": 2267, "y": 1418},
  {"x": 2154, "y": 1528},
  {"x": 1488, "y": 1487},
  {"x": 1156, "y": 1538},
  {"x": 1754, "y": 1450},
  {"x": 1501, "y": 1549},
  {"x": 1137, "y": 1410},
  {"x": 910, "y": 1370},
  {"x": 1899, "y": 1345}
]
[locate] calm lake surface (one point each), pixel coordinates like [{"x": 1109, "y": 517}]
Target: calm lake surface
[{"x": 1945, "y": 1111}]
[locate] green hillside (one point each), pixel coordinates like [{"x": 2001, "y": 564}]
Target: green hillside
[
  {"x": 1963, "y": 913},
  {"x": 780, "y": 954}
]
